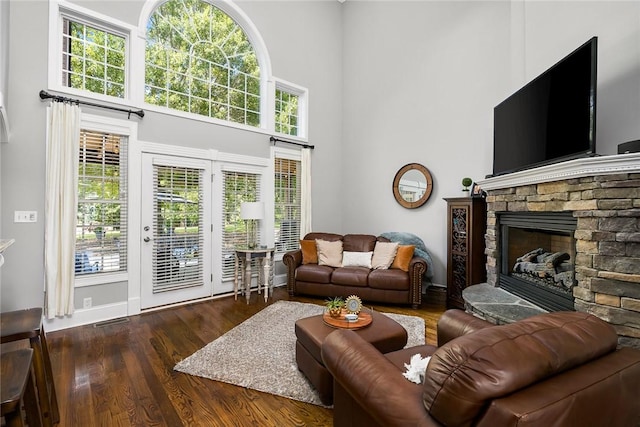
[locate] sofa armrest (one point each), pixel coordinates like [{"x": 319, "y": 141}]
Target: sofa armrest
[
  {"x": 367, "y": 376},
  {"x": 417, "y": 268},
  {"x": 455, "y": 323},
  {"x": 292, "y": 260},
  {"x": 603, "y": 392}
]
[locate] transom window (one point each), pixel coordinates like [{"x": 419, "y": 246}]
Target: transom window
[
  {"x": 199, "y": 60},
  {"x": 286, "y": 112},
  {"x": 93, "y": 59}
]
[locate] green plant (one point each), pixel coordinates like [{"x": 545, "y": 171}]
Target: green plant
[
  {"x": 334, "y": 303},
  {"x": 334, "y": 306},
  {"x": 466, "y": 182}
]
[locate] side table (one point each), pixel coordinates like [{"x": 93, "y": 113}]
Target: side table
[{"x": 243, "y": 269}]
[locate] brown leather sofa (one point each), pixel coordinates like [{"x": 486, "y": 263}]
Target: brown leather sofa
[
  {"x": 392, "y": 286},
  {"x": 556, "y": 369}
]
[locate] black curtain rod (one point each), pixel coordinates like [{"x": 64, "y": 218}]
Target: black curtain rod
[
  {"x": 45, "y": 95},
  {"x": 273, "y": 140}
]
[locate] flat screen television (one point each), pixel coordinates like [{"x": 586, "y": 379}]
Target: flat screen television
[{"x": 552, "y": 118}]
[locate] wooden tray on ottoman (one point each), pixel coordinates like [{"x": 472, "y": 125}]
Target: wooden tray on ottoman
[{"x": 364, "y": 320}]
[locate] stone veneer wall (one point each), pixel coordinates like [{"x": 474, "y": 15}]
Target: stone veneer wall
[{"x": 607, "y": 264}]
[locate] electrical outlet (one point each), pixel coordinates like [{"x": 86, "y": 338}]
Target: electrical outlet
[
  {"x": 25, "y": 216},
  {"x": 87, "y": 303}
]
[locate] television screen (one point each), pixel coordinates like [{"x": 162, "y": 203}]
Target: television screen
[{"x": 552, "y": 118}]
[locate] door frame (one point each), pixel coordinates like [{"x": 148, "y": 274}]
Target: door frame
[
  {"x": 150, "y": 299},
  {"x": 134, "y": 287},
  {"x": 262, "y": 165}
]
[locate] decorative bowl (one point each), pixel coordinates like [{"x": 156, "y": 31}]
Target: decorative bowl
[{"x": 351, "y": 317}]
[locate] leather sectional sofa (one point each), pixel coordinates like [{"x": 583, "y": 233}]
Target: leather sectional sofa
[
  {"x": 387, "y": 285},
  {"x": 555, "y": 369}
]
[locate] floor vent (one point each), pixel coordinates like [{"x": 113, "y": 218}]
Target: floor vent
[{"x": 111, "y": 322}]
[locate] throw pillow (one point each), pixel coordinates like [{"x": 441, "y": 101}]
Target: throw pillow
[
  {"x": 356, "y": 259},
  {"x": 383, "y": 255},
  {"x": 403, "y": 257},
  {"x": 416, "y": 369},
  {"x": 329, "y": 253},
  {"x": 309, "y": 251}
]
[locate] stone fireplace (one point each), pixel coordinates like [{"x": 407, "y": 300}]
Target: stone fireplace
[{"x": 595, "y": 204}]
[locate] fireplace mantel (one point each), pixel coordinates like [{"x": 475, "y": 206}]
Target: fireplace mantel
[{"x": 576, "y": 168}]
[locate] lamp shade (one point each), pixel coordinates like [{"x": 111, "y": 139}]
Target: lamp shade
[{"x": 252, "y": 210}]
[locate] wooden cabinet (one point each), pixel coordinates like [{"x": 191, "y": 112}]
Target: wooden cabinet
[{"x": 466, "y": 260}]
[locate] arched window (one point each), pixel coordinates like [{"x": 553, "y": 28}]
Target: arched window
[{"x": 198, "y": 59}]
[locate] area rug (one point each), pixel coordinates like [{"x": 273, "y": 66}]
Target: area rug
[{"x": 259, "y": 353}]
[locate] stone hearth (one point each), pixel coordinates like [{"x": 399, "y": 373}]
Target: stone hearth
[{"x": 603, "y": 194}]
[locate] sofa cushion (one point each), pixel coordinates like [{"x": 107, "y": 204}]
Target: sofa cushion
[
  {"x": 314, "y": 273},
  {"x": 329, "y": 253},
  {"x": 359, "y": 242},
  {"x": 396, "y": 280},
  {"x": 356, "y": 259},
  {"x": 403, "y": 257},
  {"x": 468, "y": 372},
  {"x": 383, "y": 255},
  {"x": 309, "y": 251},
  {"x": 351, "y": 276}
]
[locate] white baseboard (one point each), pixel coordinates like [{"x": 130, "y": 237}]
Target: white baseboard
[
  {"x": 101, "y": 313},
  {"x": 87, "y": 316}
]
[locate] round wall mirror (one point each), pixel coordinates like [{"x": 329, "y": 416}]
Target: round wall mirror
[{"x": 412, "y": 185}]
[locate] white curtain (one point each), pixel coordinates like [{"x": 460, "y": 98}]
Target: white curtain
[
  {"x": 61, "y": 203},
  {"x": 305, "y": 197}
]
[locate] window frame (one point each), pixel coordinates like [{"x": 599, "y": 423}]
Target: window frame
[
  {"x": 60, "y": 10},
  {"x": 128, "y": 129},
  {"x": 288, "y": 154},
  {"x": 189, "y": 73},
  {"x": 303, "y": 111},
  {"x": 135, "y": 68},
  {"x": 261, "y": 195}
]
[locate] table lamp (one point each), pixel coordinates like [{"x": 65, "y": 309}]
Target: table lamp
[{"x": 250, "y": 212}]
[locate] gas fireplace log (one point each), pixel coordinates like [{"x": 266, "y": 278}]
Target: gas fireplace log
[
  {"x": 565, "y": 279},
  {"x": 554, "y": 259},
  {"x": 553, "y": 267},
  {"x": 530, "y": 256}
]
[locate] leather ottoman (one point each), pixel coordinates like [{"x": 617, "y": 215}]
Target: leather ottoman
[{"x": 383, "y": 333}]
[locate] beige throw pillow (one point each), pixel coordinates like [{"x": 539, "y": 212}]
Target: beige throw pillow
[
  {"x": 356, "y": 259},
  {"x": 383, "y": 255},
  {"x": 329, "y": 253}
]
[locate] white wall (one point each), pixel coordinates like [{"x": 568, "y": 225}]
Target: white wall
[
  {"x": 421, "y": 80},
  {"x": 290, "y": 30},
  {"x": 390, "y": 83}
]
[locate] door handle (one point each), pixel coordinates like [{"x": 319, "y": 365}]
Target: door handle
[{"x": 147, "y": 239}]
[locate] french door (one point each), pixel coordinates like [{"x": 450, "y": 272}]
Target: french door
[{"x": 176, "y": 230}]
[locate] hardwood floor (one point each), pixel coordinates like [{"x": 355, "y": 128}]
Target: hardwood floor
[{"x": 121, "y": 374}]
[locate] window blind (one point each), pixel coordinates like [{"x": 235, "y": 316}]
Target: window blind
[
  {"x": 178, "y": 228},
  {"x": 101, "y": 231},
  {"x": 287, "y": 204},
  {"x": 238, "y": 187}
]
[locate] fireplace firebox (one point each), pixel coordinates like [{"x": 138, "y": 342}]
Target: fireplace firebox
[{"x": 537, "y": 257}]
